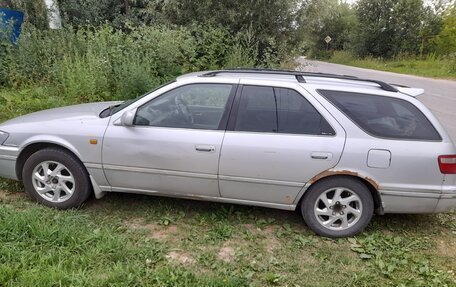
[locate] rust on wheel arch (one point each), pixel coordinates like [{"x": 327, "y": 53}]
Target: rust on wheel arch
[{"x": 329, "y": 172}]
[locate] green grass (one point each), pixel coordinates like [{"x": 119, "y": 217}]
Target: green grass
[
  {"x": 133, "y": 240},
  {"x": 431, "y": 66}
]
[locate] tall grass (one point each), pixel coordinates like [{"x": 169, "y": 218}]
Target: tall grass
[
  {"x": 98, "y": 63},
  {"x": 48, "y": 68},
  {"x": 430, "y": 65}
]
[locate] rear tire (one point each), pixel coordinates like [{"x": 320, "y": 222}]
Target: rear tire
[
  {"x": 56, "y": 178},
  {"x": 337, "y": 207}
]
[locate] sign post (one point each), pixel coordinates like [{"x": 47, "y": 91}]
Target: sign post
[
  {"x": 10, "y": 23},
  {"x": 327, "y": 40},
  {"x": 55, "y": 22}
]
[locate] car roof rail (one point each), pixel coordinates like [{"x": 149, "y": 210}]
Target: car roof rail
[{"x": 300, "y": 76}]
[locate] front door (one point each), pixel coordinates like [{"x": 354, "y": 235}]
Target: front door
[
  {"x": 275, "y": 143},
  {"x": 174, "y": 145}
]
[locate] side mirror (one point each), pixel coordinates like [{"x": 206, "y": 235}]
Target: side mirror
[{"x": 127, "y": 118}]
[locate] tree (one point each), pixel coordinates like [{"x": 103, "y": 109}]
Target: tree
[
  {"x": 90, "y": 12},
  {"x": 321, "y": 18},
  {"x": 446, "y": 40},
  {"x": 271, "y": 21},
  {"x": 388, "y": 27}
]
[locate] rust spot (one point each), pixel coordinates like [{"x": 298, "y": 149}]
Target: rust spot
[
  {"x": 329, "y": 172},
  {"x": 289, "y": 199},
  {"x": 373, "y": 182}
]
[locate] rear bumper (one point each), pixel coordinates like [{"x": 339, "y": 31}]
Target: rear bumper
[
  {"x": 411, "y": 201},
  {"x": 447, "y": 201}
]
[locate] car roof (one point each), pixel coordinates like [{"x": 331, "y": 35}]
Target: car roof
[{"x": 333, "y": 81}]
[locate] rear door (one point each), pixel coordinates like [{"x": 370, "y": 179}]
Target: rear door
[{"x": 278, "y": 138}]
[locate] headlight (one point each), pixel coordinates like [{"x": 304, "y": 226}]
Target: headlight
[{"x": 3, "y": 137}]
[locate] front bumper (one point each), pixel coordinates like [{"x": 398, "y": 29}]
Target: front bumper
[{"x": 8, "y": 157}]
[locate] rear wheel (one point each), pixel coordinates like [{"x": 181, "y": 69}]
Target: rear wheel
[
  {"x": 56, "y": 178},
  {"x": 337, "y": 207}
]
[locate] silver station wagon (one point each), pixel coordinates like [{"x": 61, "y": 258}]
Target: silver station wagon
[{"x": 338, "y": 148}]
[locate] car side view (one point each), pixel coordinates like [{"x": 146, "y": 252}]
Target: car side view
[{"x": 338, "y": 148}]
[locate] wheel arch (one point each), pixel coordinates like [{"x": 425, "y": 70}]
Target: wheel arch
[
  {"x": 33, "y": 147},
  {"x": 368, "y": 182}
]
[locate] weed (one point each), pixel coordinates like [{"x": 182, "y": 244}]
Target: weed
[
  {"x": 429, "y": 65},
  {"x": 211, "y": 245}
]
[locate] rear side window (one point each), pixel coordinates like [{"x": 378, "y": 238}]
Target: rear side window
[
  {"x": 297, "y": 116},
  {"x": 384, "y": 117},
  {"x": 278, "y": 110},
  {"x": 257, "y": 110}
]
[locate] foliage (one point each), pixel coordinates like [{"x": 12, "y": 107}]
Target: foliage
[
  {"x": 243, "y": 52},
  {"x": 91, "y": 12},
  {"x": 392, "y": 254},
  {"x": 319, "y": 19},
  {"x": 445, "y": 41},
  {"x": 212, "y": 46},
  {"x": 51, "y": 68},
  {"x": 271, "y": 22},
  {"x": 452, "y": 62},
  {"x": 96, "y": 64},
  {"x": 387, "y": 28},
  {"x": 430, "y": 65},
  {"x": 265, "y": 18},
  {"x": 173, "y": 242}
]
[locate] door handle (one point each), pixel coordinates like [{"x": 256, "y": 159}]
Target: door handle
[
  {"x": 321, "y": 155},
  {"x": 205, "y": 148}
]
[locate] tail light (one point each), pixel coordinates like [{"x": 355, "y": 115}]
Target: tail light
[{"x": 447, "y": 164}]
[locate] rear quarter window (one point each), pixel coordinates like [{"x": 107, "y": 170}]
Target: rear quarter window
[{"x": 382, "y": 116}]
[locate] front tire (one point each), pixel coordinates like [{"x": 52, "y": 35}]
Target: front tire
[
  {"x": 55, "y": 178},
  {"x": 337, "y": 207}
]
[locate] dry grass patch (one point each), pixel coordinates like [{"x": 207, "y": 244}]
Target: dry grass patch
[
  {"x": 12, "y": 195},
  {"x": 226, "y": 253},
  {"x": 152, "y": 230},
  {"x": 181, "y": 257}
]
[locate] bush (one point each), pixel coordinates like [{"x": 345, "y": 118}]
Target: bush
[
  {"x": 98, "y": 63},
  {"x": 320, "y": 54},
  {"x": 48, "y": 68},
  {"x": 243, "y": 52},
  {"x": 452, "y": 62}
]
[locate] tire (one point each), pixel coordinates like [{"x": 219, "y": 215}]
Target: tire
[
  {"x": 337, "y": 207},
  {"x": 67, "y": 184}
]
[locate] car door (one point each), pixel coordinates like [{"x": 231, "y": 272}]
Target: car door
[
  {"x": 276, "y": 141},
  {"x": 174, "y": 144}
]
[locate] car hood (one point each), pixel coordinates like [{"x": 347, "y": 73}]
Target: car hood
[{"x": 76, "y": 112}]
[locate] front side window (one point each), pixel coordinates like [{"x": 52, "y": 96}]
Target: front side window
[
  {"x": 197, "y": 106},
  {"x": 382, "y": 116},
  {"x": 278, "y": 110}
]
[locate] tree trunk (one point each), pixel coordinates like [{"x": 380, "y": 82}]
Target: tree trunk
[{"x": 127, "y": 6}]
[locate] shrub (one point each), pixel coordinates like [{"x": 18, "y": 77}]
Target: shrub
[
  {"x": 103, "y": 63},
  {"x": 452, "y": 62},
  {"x": 98, "y": 63},
  {"x": 243, "y": 52}
]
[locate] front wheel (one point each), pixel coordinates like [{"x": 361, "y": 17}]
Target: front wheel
[
  {"x": 337, "y": 207},
  {"x": 56, "y": 178}
]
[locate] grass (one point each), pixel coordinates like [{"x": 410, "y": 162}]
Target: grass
[
  {"x": 134, "y": 240},
  {"x": 430, "y": 66}
]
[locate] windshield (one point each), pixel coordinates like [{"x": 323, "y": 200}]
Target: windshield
[{"x": 116, "y": 108}]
